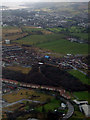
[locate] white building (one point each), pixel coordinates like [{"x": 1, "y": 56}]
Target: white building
[
  {"x": 86, "y": 109},
  {"x": 80, "y": 102},
  {"x": 7, "y": 41},
  {"x": 63, "y": 105}
]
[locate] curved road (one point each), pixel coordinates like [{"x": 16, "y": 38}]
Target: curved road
[{"x": 70, "y": 111}]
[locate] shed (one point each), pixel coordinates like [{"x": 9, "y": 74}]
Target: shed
[{"x": 46, "y": 56}]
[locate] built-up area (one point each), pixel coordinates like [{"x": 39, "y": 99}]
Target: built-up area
[{"x": 26, "y": 57}]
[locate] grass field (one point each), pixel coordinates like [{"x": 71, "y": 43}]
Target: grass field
[
  {"x": 81, "y": 35},
  {"x": 83, "y": 95},
  {"x": 37, "y": 39},
  {"x": 25, "y": 94},
  {"x": 56, "y": 30},
  {"x": 10, "y": 29},
  {"x": 15, "y": 36},
  {"x": 74, "y": 30},
  {"x": 12, "y": 33},
  {"x": 19, "y": 68},
  {"x": 63, "y": 46},
  {"x": 56, "y": 43},
  {"x": 30, "y": 29},
  {"x": 83, "y": 78},
  {"x": 35, "y": 30},
  {"x": 54, "y": 104},
  {"x": 31, "y": 40}
]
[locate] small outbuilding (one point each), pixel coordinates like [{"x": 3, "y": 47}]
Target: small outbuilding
[
  {"x": 46, "y": 56},
  {"x": 63, "y": 105}
]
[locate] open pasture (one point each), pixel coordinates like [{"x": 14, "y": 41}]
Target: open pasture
[
  {"x": 63, "y": 46},
  {"x": 56, "y": 43},
  {"x": 11, "y": 30},
  {"x": 35, "y": 30},
  {"x": 83, "y": 78},
  {"x": 38, "y": 39}
]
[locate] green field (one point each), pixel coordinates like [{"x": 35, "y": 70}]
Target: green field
[
  {"x": 74, "y": 31},
  {"x": 31, "y": 29},
  {"x": 37, "y": 39},
  {"x": 31, "y": 40},
  {"x": 57, "y": 30},
  {"x": 56, "y": 43},
  {"x": 63, "y": 46},
  {"x": 83, "y": 78},
  {"x": 35, "y": 30},
  {"x": 84, "y": 95},
  {"x": 77, "y": 116},
  {"x": 54, "y": 104},
  {"x": 81, "y": 35}
]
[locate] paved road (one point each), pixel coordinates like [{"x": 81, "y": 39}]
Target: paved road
[
  {"x": 71, "y": 66},
  {"x": 78, "y": 70},
  {"x": 20, "y": 101},
  {"x": 70, "y": 111}
]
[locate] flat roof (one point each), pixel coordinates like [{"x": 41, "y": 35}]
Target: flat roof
[{"x": 86, "y": 109}]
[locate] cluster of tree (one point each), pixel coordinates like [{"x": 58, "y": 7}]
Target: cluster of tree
[
  {"x": 62, "y": 78},
  {"x": 87, "y": 60},
  {"x": 54, "y": 115},
  {"x": 13, "y": 75},
  {"x": 47, "y": 75}
]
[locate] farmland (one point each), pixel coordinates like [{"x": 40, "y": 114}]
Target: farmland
[
  {"x": 35, "y": 30},
  {"x": 38, "y": 39},
  {"x": 31, "y": 29},
  {"x": 51, "y": 38},
  {"x": 63, "y": 46},
  {"x": 15, "y": 33},
  {"x": 73, "y": 32},
  {"x": 11, "y": 29},
  {"x": 31, "y": 40},
  {"x": 72, "y": 29},
  {"x": 15, "y": 36},
  {"x": 56, "y": 43},
  {"x": 12, "y": 33},
  {"x": 81, "y": 35}
]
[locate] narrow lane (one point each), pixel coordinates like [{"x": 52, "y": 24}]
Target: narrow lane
[
  {"x": 78, "y": 69},
  {"x": 20, "y": 101}
]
